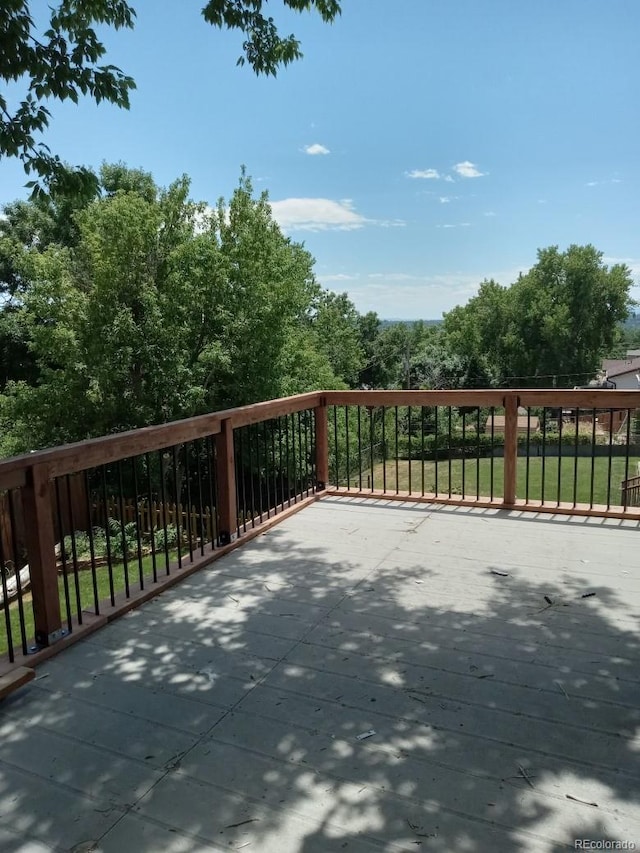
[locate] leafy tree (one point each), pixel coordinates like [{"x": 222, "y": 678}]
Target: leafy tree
[
  {"x": 369, "y": 329},
  {"x": 478, "y": 333},
  {"x": 565, "y": 313},
  {"x": 337, "y": 328},
  {"x": 627, "y": 337},
  {"x": 408, "y": 355},
  {"x": 264, "y": 49},
  {"x": 34, "y": 226},
  {"x": 433, "y": 367},
  {"x": 552, "y": 326},
  {"x": 162, "y": 309},
  {"x": 62, "y": 60},
  {"x": 391, "y": 348}
]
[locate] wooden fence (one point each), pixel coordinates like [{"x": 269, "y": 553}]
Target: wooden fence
[
  {"x": 73, "y": 506},
  {"x": 155, "y": 515},
  {"x": 631, "y": 491}
]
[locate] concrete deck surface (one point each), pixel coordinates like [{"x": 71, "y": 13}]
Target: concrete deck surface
[{"x": 225, "y": 714}]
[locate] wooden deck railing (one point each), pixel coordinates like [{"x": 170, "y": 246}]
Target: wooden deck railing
[
  {"x": 542, "y": 450},
  {"x": 247, "y": 467}
]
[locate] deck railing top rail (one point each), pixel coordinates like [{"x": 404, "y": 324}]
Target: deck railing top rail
[
  {"x": 549, "y": 397},
  {"x": 81, "y": 455}
]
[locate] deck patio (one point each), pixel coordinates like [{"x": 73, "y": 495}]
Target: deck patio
[{"x": 224, "y": 714}]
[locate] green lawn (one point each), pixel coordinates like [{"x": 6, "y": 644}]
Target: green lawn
[
  {"x": 85, "y": 589},
  {"x": 451, "y": 478}
]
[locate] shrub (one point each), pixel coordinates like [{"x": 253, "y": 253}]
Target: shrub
[
  {"x": 471, "y": 444},
  {"x": 159, "y": 537},
  {"x": 123, "y": 540},
  {"x": 82, "y": 546}
]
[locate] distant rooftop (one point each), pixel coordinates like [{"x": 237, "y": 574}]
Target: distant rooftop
[{"x": 620, "y": 366}]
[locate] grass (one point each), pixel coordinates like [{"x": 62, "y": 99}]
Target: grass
[
  {"x": 477, "y": 478},
  {"x": 86, "y": 593}
]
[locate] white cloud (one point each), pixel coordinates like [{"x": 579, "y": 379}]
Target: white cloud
[
  {"x": 425, "y": 174},
  {"x": 203, "y": 219},
  {"x": 316, "y": 148},
  {"x": 323, "y": 214},
  {"x": 466, "y": 169},
  {"x": 389, "y": 223},
  {"x": 600, "y": 183},
  {"x": 392, "y": 276},
  {"x": 316, "y": 214},
  {"x": 489, "y": 213},
  {"x": 398, "y": 294},
  {"x": 444, "y": 199},
  {"x": 449, "y": 179},
  {"x": 339, "y": 276},
  {"x": 632, "y": 263},
  {"x": 455, "y": 225}
]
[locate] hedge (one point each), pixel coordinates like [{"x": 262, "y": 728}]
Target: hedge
[{"x": 471, "y": 444}]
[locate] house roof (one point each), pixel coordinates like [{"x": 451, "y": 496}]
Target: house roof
[{"x": 619, "y": 366}]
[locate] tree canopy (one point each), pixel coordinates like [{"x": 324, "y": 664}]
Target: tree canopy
[
  {"x": 554, "y": 324},
  {"x": 62, "y": 58},
  {"x": 135, "y": 304},
  {"x": 155, "y": 307}
]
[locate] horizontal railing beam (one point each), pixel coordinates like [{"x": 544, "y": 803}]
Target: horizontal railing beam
[
  {"x": 415, "y": 398},
  {"x": 258, "y": 412},
  {"x": 551, "y": 398},
  {"x": 81, "y": 455},
  {"x": 569, "y": 399}
]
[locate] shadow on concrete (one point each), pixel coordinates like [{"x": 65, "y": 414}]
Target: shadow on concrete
[{"x": 225, "y": 714}]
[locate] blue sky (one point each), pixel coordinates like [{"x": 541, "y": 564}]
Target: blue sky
[{"x": 419, "y": 147}]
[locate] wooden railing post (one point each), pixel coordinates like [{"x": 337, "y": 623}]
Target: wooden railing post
[
  {"x": 322, "y": 445},
  {"x": 226, "y": 475},
  {"x": 510, "y": 448},
  {"x": 37, "y": 504}
]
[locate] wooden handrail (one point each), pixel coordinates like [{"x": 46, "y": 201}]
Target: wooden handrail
[
  {"x": 600, "y": 399},
  {"x": 494, "y": 397},
  {"x": 551, "y": 398},
  {"x": 257, "y": 412},
  {"x": 33, "y": 475},
  {"x": 81, "y": 455}
]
